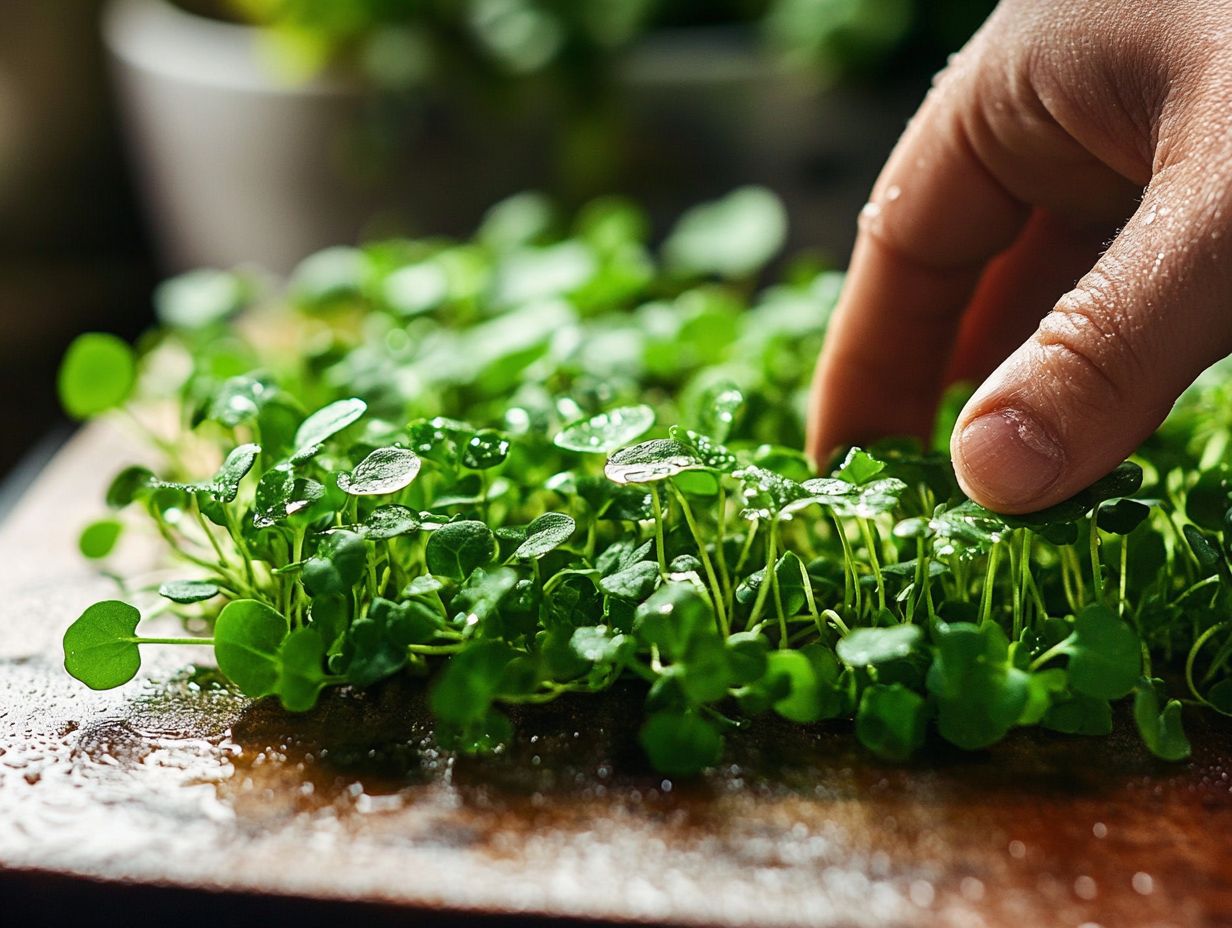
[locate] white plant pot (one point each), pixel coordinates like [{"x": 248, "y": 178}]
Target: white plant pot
[
  {"x": 238, "y": 167},
  {"x": 233, "y": 165}
]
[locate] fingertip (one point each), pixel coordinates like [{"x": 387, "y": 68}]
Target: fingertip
[{"x": 1007, "y": 461}]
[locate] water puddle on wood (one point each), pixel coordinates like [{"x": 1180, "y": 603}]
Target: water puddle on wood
[{"x": 184, "y": 782}]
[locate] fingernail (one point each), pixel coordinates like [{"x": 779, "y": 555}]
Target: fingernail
[{"x": 1007, "y": 460}]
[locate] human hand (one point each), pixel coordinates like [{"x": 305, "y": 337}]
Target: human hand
[{"x": 1060, "y": 119}]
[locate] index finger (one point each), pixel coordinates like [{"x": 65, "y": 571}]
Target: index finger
[{"x": 935, "y": 219}]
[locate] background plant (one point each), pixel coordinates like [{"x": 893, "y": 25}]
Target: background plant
[
  {"x": 552, "y": 458},
  {"x": 398, "y": 43}
]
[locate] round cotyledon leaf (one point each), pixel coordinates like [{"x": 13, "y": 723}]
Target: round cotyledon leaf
[
  {"x": 325, "y": 423},
  {"x": 98, "y": 539},
  {"x": 651, "y": 461},
  {"x": 457, "y": 548},
  {"x": 187, "y": 592},
  {"x": 100, "y": 648},
  {"x": 384, "y": 471},
  {"x": 546, "y": 533},
  {"x": 97, "y": 374},
  {"x": 681, "y": 745},
  {"x": 247, "y": 636},
  {"x": 607, "y": 431}
]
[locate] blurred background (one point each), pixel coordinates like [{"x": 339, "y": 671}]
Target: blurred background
[{"x": 139, "y": 138}]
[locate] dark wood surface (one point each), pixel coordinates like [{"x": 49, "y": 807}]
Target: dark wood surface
[{"x": 171, "y": 798}]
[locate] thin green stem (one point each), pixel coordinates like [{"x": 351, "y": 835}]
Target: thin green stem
[
  {"x": 142, "y": 640},
  {"x": 747, "y": 547},
  {"x": 720, "y": 548},
  {"x": 851, "y": 580},
  {"x": 866, "y": 529},
  {"x": 990, "y": 579},
  {"x": 763, "y": 588},
  {"x": 1124, "y": 578},
  {"x": 435, "y": 648},
  {"x": 660, "y": 550},
  {"x": 831, "y": 616},
  {"x": 715, "y": 590},
  {"x": 1024, "y": 574},
  {"x": 1055, "y": 651},
  {"x": 1097, "y": 570},
  {"x": 1193, "y": 656}
]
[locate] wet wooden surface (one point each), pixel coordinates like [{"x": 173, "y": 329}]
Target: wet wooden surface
[{"x": 173, "y": 797}]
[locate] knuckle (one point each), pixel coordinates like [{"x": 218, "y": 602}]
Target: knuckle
[{"x": 1085, "y": 350}]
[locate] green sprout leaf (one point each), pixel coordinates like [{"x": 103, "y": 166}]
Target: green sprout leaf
[
  {"x": 186, "y": 592},
  {"x": 1160, "y": 727},
  {"x": 300, "y": 662},
  {"x": 651, "y": 461},
  {"x": 859, "y": 467},
  {"x": 809, "y": 685},
  {"x": 100, "y": 648},
  {"x": 98, "y": 539},
  {"x": 129, "y": 485},
  {"x": 732, "y": 237},
  {"x": 672, "y": 618},
  {"x": 199, "y": 299},
  {"x": 868, "y": 646},
  {"x": 680, "y": 745},
  {"x": 719, "y": 406},
  {"x": 226, "y": 483},
  {"x": 97, "y": 374},
  {"x": 1122, "y": 516},
  {"x": 338, "y": 564},
  {"x": 1104, "y": 654},
  {"x": 325, "y": 423},
  {"x": 247, "y": 638},
  {"x": 545, "y": 534},
  {"x": 606, "y": 432},
  {"x": 385, "y": 522},
  {"x": 384, "y": 471},
  {"x": 890, "y": 721},
  {"x": 456, "y": 549},
  {"x": 1076, "y": 714},
  {"x": 282, "y": 494},
  {"x": 471, "y": 681},
  {"x": 980, "y": 696},
  {"x": 485, "y": 449}
]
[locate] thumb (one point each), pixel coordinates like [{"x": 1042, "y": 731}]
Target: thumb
[{"x": 1105, "y": 366}]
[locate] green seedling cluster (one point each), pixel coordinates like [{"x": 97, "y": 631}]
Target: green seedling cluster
[{"x": 540, "y": 462}]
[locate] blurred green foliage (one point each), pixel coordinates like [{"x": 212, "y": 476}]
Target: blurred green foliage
[{"x": 403, "y": 43}]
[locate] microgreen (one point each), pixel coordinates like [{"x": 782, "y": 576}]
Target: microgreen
[
  {"x": 526, "y": 470},
  {"x": 98, "y": 374}
]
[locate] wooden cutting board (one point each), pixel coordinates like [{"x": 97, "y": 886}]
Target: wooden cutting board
[{"x": 173, "y": 799}]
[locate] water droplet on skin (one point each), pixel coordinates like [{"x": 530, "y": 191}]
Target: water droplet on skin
[
  {"x": 1017, "y": 850},
  {"x": 871, "y": 210},
  {"x": 1150, "y": 216},
  {"x": 1084, "y": 888},
  {"x": 1100, "y": 830},
  {"x": 894, "y": 192},
  {"x": 1143, "y": 884}
]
